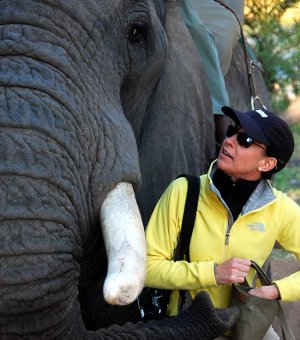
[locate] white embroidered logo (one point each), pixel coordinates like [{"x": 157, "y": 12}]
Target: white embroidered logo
[
  {"x": 256, "y": 226},
  {"x": 261, "y": 113}
]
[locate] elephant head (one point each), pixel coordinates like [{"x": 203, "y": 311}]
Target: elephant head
[{"x": 90, "y": 91}]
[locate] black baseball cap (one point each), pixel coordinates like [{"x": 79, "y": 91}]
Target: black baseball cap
[{"x": 267, "y": 128}]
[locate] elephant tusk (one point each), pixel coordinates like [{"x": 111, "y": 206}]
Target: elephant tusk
[{"x": 124, "y": 238}]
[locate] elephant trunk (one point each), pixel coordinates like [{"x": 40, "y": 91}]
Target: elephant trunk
[
  {"x": 124, "y": 239},
  {"x": 39, "y": 257},
  {"x": 41, "y": 246}
]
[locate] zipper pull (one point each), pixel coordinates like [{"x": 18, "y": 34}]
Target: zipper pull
[{"x": 227, "y": 238}]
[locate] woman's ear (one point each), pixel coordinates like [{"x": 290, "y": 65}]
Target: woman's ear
[{"x": 267, "y": 164}]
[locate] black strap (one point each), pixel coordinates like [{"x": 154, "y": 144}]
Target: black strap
[
  {"x": 265, "y": 281},
  {"x": 159, "y": 298},
  {"x": 187, "y": 225},
  {"x": 188, "y": 219}
]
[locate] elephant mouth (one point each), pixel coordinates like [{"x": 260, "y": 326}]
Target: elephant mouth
[{"x": 124, "y": 239}]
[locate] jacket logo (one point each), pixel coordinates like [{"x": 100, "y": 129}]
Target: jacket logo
[{"x": 256, "y": 226}]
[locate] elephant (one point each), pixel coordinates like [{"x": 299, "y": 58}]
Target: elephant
[{"x": 102, "y": 103}]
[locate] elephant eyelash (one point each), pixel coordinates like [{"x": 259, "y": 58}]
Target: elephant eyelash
[{"x": 137, "y": 32}]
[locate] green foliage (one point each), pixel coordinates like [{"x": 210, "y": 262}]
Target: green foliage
[
  {"x": 259, "y": 11},
  {"x": 279, "y": 103},
  {"x": 288, "y": 180},
  {"x": 276, "y": 47}
]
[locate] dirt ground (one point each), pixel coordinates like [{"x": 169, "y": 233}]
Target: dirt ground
[{"x": 281, "y": 268}]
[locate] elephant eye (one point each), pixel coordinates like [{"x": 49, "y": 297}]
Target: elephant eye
[{"x": 137, "y": 32}]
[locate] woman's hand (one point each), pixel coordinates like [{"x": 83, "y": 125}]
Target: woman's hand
[
  {"x": 233, "y": 270},
  {"x": 266, "y": 292}
]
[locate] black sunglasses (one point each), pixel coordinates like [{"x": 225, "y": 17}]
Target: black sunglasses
[{"x": 243, "y": 139}]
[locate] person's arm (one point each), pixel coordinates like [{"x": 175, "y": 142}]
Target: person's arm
[
  {"x": 287, "y": 288},
  {"x": 161, "y": 236}
]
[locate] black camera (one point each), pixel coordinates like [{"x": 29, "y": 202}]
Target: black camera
[{"x": 153, "y": 303}]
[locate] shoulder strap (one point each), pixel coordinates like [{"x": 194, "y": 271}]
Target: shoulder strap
[
  {"x": 162, "y": 296},
  {"x": 188, "y": 219},
  {"x": 284, "y": 322}
]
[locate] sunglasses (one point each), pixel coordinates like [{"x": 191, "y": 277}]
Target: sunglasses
[{"x": 243, "y": 139}]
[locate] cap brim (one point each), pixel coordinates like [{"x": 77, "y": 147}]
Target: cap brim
[{"x": 247, "y": 123}]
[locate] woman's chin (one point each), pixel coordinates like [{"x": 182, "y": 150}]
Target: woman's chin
[
  {"x": 223, "y": 162},
  {"x": 225, "y": 165}
]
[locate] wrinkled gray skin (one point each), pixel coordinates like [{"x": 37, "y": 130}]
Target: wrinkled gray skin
[{"x": 93, "y": 93}]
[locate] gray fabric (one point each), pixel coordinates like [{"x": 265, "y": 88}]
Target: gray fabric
[
  {"x": 205, "y": 43},
  {"x": 223, "y": 26},
  {"x": 215, "y": 31},
  {"x": 238, "y": 7},
  {"x": 262, "y": 195},
  {"x": 271, "y": 335}
]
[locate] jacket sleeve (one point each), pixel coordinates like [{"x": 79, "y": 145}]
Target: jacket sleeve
[
  {"x": 161, "y": 236},
  {"x": 289, "y": 239}
]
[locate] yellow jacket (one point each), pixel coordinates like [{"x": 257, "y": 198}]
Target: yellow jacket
[{"x": 268, "y": 216}]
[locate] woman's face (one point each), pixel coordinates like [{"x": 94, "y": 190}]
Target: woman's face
[{"x": 240, "y": 162}]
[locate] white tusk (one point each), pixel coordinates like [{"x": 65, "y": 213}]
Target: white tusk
[{"x": 124, "y": 238}]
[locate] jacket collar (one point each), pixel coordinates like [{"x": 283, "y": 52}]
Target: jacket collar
[{"x": 261, "y": 196}]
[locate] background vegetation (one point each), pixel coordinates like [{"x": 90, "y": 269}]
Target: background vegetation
[
  {"x": 272, "y": 29},
  {"x": 274, "y": 35},
  {"x": 288, "y": 180}
]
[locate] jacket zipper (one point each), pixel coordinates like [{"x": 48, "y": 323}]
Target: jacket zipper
[
  {"x": 227, "y": 238},
  {"x": 227, "y": 235}
]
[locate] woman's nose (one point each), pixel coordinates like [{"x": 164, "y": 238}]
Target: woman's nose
[{"x": 231, "y": 140}]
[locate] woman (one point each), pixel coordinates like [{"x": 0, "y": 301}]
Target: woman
[{"x": 239, "y": 217}]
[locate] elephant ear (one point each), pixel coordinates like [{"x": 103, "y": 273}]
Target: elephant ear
[{"x": 178, "y": 133}]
